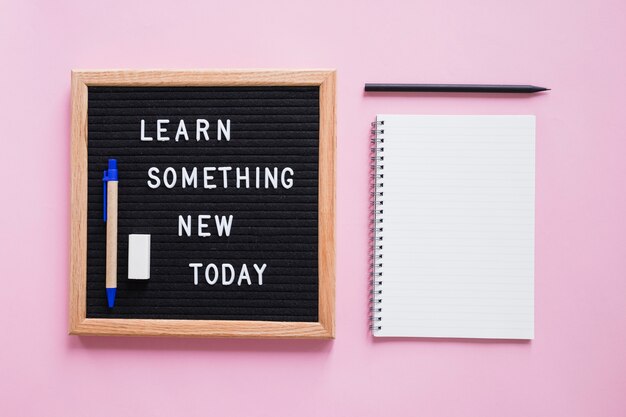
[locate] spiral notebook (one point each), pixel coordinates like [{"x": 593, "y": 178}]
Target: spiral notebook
[{"x": 453, "y": 233}]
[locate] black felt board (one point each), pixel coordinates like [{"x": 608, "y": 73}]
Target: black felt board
[{"x": 270, "y": 126}]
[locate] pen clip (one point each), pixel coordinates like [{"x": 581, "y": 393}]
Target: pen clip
[
  {"x": 109, "y": 175},
  {"x": 105, "y": 179}
]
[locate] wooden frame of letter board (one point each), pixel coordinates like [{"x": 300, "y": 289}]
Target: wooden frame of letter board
[{"x": 79, "y": 324}]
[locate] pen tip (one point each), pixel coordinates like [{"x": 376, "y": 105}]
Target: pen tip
[{"x": 111, "y": 296}]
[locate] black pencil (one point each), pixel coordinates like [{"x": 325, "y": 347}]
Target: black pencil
[{"x": 454, "y": 88}]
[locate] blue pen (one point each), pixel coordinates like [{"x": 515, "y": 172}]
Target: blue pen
[{"x": 110, "y": 217}]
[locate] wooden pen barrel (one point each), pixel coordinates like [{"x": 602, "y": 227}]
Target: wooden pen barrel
[{"x": 111, "y": 249}]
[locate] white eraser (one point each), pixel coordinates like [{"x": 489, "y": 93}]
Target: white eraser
[{"x": 138, "y": 256}]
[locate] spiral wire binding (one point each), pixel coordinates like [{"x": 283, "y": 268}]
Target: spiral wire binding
[{"x": 377, "y": 151}]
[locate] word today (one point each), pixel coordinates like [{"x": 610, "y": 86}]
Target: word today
[{"x": 226, "y": 273}]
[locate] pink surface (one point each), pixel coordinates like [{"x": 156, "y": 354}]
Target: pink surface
[{"x": 576, "y": 366}]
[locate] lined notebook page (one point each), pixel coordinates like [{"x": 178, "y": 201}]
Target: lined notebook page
[{"x": 458, "y": 226}]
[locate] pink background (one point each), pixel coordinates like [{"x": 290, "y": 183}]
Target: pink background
[{"x": 576, "y": 366}]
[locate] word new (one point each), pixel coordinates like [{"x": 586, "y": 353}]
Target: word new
[{"x": 222, "y": 224}]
